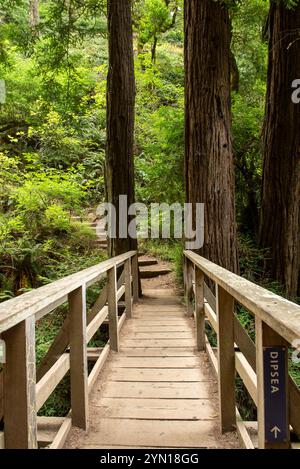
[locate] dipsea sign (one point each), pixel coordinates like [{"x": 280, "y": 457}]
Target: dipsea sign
[{"x": 275, "y": 394}]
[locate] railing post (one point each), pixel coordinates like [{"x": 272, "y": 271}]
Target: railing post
[
  {"x": 78, "y": 358},
  {"x": 128, "y": 288},
  {"x": 226, "y": 359},
  {"x": 189, "y": 287},
  {"x": 135, "y": 277},
  {"x": 20, "y": 427},
  {"x": 199, "y": 308},
  {"x": 272, "y": 388},
  {"x": 113, "y": 309}
]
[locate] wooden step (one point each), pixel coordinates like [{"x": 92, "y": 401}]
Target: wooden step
[
  {"x": 160, "y": 433},
  {"x": 153, "y": 390},
  {"x": 147, "y": 262},
  {"x": 154, "y": 409},
  {"x": 152, "y": 273}
]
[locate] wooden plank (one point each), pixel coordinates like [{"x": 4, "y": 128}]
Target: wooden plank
[
  {"x": 19, "y": 387},
  {"x": 135, "y": 278},
  {"x": 172, "y": 301},
  {"x": 243, "y": 434},
  {"x": 51, "y": 379},
  {"x": 62, "y": 434},
  {"x": 44, "y": 299},
  {"x": 210, "y": 297},
  {"x": 150, "y": 390},
  {"x": 170, "y": 434},
  {"x": 212, "y": 357},
  {"x": 199, "y": 309},
  {"x": 160, "y": 352},
  {"x": 158, "y": 292},
  {"x": 154, "y": 409},
  {"x": 226, "y": 359},
  {"x": 158, "y": 343},
  {"x": 164, "y": 315},
  {"x": 159, "y": 307},
  {"x": 280, "y": 314},
  {"x": 172, "y": 322},
  {"x": 78, "y": 358},
  {"x": 161, "y": 335},
  {"x": 98, "y": 367},
  {"x": 96, "y": 323},
  {"x": 121, "y": 321},
  {"x": 245, "y": 344},
  {"x": 128, "y": 289},
  {"x": 120, "y": 292},
  {"x": 93, "y": 353},
  {"x": 161, "y": 375},
  {"x": 179, "y": 326},
  {"x": 211, "y": 316},
  {"x": 265, "y": 336},
  {"x": 188, "y": 286},
  {"x": 113, "y": 309},
  {"x": 155, "y": 362},
  {"x": 47, "y": 429},
  {"x": 247, "y": 374}
]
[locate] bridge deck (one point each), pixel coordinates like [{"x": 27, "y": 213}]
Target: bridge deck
[{"x": 158, "y": 391}]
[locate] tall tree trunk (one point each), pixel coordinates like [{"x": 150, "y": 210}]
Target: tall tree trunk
[
  {"x": 120, "y": 114},
  {"x": 209, "y": 173},
  {"x": 34, "y": 15},
  {"x": 281, "y": 149}
]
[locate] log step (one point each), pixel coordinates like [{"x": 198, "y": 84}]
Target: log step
[
  {"x": 152, "y": 273},
  {"x": 147, "y": 262}
]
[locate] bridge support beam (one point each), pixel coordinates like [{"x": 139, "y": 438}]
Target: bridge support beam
[
  {"x": 78, "y": 358},
  {"x": 189, "y": 294},
  {"x": 199, "y": 308},
  {"x": 20, "y": 427},
  {"x": 113, "y": 309},
  {"x": 128, "y": 289},
  {"x": 226, "y": 359}
]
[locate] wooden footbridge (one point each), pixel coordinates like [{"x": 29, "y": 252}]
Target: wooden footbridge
[{"x": 158, "y": 382}]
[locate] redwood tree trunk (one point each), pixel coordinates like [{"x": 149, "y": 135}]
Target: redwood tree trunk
[
  {"x": 209, "y": 173},
  {"x": 120, "y": 114},
  {"x": 281, "y": 150},
  {"x": 34, "y": 14}
]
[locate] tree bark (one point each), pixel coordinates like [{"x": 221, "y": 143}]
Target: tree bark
[
  {"x": 209, "y": 173},
  {"x": 281, "y": 149},
  {"x": 120, "y": 115},
  {"x": 34, "y": 15}
]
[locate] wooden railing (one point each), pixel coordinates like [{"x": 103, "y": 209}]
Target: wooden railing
[
  {"x": 263, "y": 366},
  {"x": 25, "y": 390}
]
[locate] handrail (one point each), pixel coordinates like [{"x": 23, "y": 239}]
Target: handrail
[
  {"x": 280, "y": 314},
  {"x": 277, "y": 324},
  {"x": 24, "y": 392},
  {"x": 42, "y": 300}
]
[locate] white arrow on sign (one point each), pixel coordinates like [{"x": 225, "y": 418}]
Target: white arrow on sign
[{"x": 275, "y": 430}]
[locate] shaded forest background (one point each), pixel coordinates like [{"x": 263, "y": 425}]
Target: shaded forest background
[{"x": 52, "y": 127}]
